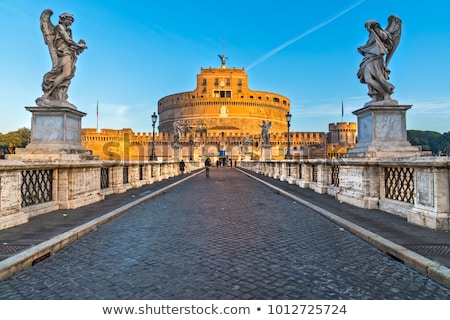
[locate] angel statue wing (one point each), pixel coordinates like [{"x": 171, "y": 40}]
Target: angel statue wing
[
  {"x": 394, "y": 28},
  {"x": 49, "y": 33}
]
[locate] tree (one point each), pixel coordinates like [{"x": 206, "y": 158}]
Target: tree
[
  {"x": 16, "y": 139},
  {"x": 432, "y": 141},
  {"x": 444, "y": 144}
]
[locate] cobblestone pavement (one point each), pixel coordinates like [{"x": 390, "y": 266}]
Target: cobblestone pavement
[{"x": 222, "y": 237}]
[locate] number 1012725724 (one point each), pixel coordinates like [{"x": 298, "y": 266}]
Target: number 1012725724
[{"x": 307, "y": 309}]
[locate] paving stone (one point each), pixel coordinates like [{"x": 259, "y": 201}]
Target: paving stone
[{"x": 226, "y": 237}]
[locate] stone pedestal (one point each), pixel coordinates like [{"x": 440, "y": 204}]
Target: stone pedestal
[
  {"x": 247, "y": 156},
  {"x": 55, "y": 135},
  {"x": 177, "y": 155},
  {"x": 382, "y": 132},
  {"x": 195, "y": 155},
  {"x": 266, "y": 152}
]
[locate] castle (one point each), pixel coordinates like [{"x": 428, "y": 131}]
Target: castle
[{"x": 221, "y": 119}]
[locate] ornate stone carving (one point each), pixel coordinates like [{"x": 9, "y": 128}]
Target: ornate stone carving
[
  {"x": 377, "y": 53},
  {"x": 265, "y": 127},
  {"x": 63, "y": 52}
]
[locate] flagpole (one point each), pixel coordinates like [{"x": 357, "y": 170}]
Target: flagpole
[{"x": 342, "y": 111}]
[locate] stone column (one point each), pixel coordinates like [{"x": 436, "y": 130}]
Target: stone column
[
  {"x": 306, "y": 172},
  {"x": 322, "y": 175}
]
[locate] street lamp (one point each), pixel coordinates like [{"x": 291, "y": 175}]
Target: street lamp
[
  {"x": 153, "y": 155},
  {"x": 288, "y": 151}
]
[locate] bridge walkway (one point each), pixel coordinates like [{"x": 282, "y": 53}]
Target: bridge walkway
[{"x": 233, "y": 235}]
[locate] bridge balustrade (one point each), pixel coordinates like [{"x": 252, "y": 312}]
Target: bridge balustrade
[
  {"x": 416, "y": 189},
  {"x": 28, "y": 189}
]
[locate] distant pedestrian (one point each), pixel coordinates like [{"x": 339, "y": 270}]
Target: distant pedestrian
[
  {"x": 182, "y": 166},
  {"x": 207, "y": 166}
]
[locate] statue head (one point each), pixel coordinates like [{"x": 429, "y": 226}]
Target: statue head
[
  {"x": 66, "y": 16},
  {"x": 370, "y": 24}
]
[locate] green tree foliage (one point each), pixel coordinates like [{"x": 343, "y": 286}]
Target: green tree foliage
[
  {"x": 438, "y": 144},
  {"x": 18, "y": 139}
]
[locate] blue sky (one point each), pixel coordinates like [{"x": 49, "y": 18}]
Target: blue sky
[{"x": 141, "y": 51}]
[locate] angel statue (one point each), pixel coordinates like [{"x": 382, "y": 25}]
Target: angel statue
[
  {"x": 377, "y": 53},
  {"x": 265, "y": 127},
  {"x": 246, "y": 143},
  {"x": 177, "y": 132},
  {"x": 223, "y": 60},
  {"x": 63, "y": 52}
]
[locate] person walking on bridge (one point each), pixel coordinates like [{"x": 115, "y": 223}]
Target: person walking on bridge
[
  {"x": 182, "y": 166},
  {"x": 207, "y": 165}
]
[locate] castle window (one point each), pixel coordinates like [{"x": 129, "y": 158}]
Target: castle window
[
  {"x": 276, "y": 100},
  {"x": 216, "y": 82},
  {"x": 204, "y": 82},
  {"x": 222, "y": 93}
]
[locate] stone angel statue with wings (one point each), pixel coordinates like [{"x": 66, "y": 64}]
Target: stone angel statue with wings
[
  {"x": 63, "y": 52},
  {"x": 177, "y": 131},
  {"x": 265, "y": 127},
  {"x": 377, "y": 53}
]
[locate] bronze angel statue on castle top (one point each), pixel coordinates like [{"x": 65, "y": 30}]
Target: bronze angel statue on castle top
[
  {"x": 63, "y": 52},
  {"x": 377, "y": 53}
]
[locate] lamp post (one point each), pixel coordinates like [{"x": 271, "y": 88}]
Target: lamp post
[
  {"x": 153, "y": 155},
  {"x": 288, "y": 151}
]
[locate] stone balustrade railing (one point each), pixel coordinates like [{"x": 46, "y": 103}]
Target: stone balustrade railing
[
  {"x": 414, "y": 188},
  {"x": 29, "y": 189}
]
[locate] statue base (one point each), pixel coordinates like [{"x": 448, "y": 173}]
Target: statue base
[
  {"x": 55, "y": 135},
  {"x": 46, "y": 102},
  {"x": 247, "y": 156},
  {"x": 382, "y": 132},
  {"x": 177, "y": 152},
  {"x": 266, "y": 152}
]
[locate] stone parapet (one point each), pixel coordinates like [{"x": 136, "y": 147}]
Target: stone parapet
[
  {"x": 31, "y": 188},
  {"x": 415, "y": 188}
]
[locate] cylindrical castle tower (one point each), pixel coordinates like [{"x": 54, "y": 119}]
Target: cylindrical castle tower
[{"x": 222, "y": 102}]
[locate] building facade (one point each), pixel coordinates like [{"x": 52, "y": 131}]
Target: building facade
[
  {"x": 222, "y": 119},
  {"x": 341, "y": 137},
  {"x": 222, "y": 102}
]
